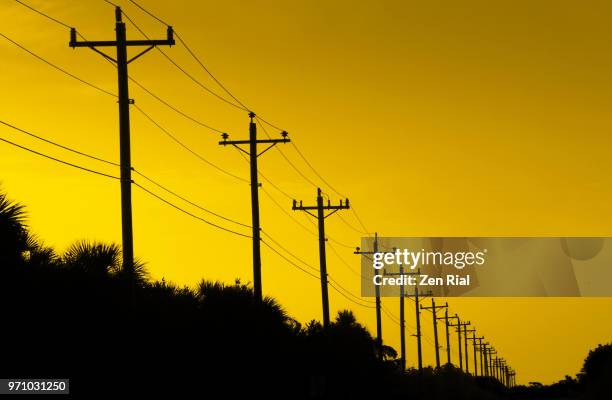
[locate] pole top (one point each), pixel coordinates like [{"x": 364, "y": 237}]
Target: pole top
[
  {"x": 118, "y": 14},
  {"x": 251, "y": 115}
]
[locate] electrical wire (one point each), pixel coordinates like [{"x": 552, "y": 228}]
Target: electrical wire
[
  {"x": 189, "y": 201},
  {"x": 58, "y": 145},
  {"x": 189, "y": 213},
  {"x": 184, "y": 146},
  {"x": 58, "y": 68},
  {"x": 180, "y": 68},
  {"x": 59, "y": 160},
  {"x": 195, "y": 57},
  {"x": 43, "y": 14},
  {"x": 289, "y": 261}
]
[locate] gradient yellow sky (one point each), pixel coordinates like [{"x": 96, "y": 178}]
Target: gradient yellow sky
[{"x": 435, "y": 118}]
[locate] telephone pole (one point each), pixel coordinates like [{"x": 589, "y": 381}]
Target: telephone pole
[
  {"x": 379, "y": 338},
  {"x": 474, "y": 339},
  {"x": 418, "y": 322},
  {"x": 401, "y": 274},
  {"x": 491, "y": 366},
  {"x": 465, "y": 338},
  {"x": 446, "y": 323},
  {"x": 480, "y": 351},
  {"x": 121, "y": 45},
  {"x": 459, "y": 325},
  {"x": 434, "y": 309},
  {"x": 253, "y": 154},
  {"x": 320, "y": 216}
]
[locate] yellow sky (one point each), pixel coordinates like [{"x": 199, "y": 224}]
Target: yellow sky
[{"x": 434, "y": 118}]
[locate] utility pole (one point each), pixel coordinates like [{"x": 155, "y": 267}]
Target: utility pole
[
  {"x": 401, "y": 274},
  {"x": 320, "y": 216},
  {"x": 253, "y": 154},
  {"x": 465, "y": 338},
  {"x": 379, "y": 338},
  {"x": 459, "y": 326},
  {"x": 480, "y": 351},
  {"x": 121, "y": 44},
  {"x": 418, "y": 323},
  {"x": 491, "y": 367},
  {"x": 474, "y": 339},
  {"x": 434, "y": 309},
  {"x": 446, "y": 323}
]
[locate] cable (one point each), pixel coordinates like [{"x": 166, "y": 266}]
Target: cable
[
  {"x": 242, "y": 106},
  {"x": 349, "y": 292},
  {"x": 148, "y": 12},
  {"x": 187, "y": 148},
  {"x": 286, "y": 158},
  {"x": 189, "y": 201},
  {"x": 344, "y": 261},
  {"x": 347, "y": 297},
  {"x": 58, "y": 68},
  {"x": 187, "y": 212},
  {"x": 58, "y": 160},
  {"x": 195, "y": 57},
  {"x": 173, "y": 108},
  {"x": 245, "y": 108},
  {"x": 59, "y": 145},
  {"x": 206, "y": 88},
  {"x": 290, "y": 253},
  {"x": 287, "y": 213},
  {"x": 288, "y": 260},
  {"x": 43, "y": 14}
]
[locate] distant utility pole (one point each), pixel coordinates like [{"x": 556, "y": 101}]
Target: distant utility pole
[
  {"x": 465, "y": 338},
  {"x": 121, "y": 44},
  {"x": 320, "y": 216},
  {"x": 459, "y": 325},
  {"x": 446, "y": 323},
  {"x": 401, "y": 274},
  {"x": 379, "y": 337},
  {"x": 491, "y": 367},
  {"x": 434, "y": 309},
  {"x": 253, "y": 155},
  {"x": 418, "y": 323},
  {"x": 474, "y": 339},
  {"x": 480, "y": 351}
]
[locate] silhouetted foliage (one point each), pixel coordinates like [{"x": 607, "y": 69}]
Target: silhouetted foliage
[
  {"x": 596, "y": 374},
  {"x": 76, "y": 315}
]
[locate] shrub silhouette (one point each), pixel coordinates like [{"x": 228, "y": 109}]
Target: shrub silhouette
[{"x": 76, "y": 315}]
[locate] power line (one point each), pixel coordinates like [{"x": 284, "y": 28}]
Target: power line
[
  {"x": 148, "y": 12},
  {"x": 43, "y": 14},
  {"x": 149, "y": 92},
  {"x": 195, "y": 57},
  {"x": 184, "y": 146},
  {"x": 286, "y": 212},
  {"x": 188, "y": 213},
  {"x": 290, "y": 253},
  {"x": 343, "y": 261},
  {"x": 287, "y": 159},
  {"x": 58, "y": 160},
  {"x": 196, "y": 81},
  {"x": 173, "y": 108},
  {"x": 350, "y": 293},
  {"x": 348, "y": 298},
  {"x": 58, "y": 68},
  {"x": 288, "y": 260},
  {"x": 244, "y": 108},
  {"x": 189, "y": 201},
  {"x": 58, "y": 145}
]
